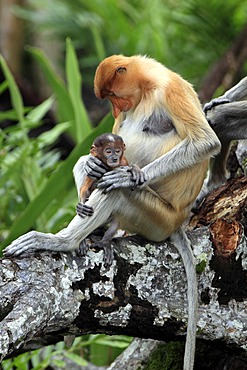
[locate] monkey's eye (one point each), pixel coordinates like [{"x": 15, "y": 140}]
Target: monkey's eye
[
  {"x": 118, "y": 151},
  {"x": 108, "y": 151},
  {"x": 121, "y": 70}
]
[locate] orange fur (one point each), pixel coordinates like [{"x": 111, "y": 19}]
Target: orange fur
[
  {"x": 167, "y": 135},
  {"x": 145, "y": 86}
]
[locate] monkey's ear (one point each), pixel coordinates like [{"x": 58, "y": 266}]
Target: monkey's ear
[
  {"x": 93, "y": 150},
  {"x": 121, "y": 70}
]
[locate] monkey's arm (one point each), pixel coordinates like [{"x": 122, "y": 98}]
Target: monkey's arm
[
  {"x": 199, "y": 143},
  {"x": 229, "y": 123},
  {"x": 184, "y": 155},
  {"x": 236, "y": 93},
  {"x": 83, "y": 209},
  {"x": 87, "y": 165},
  {"x": 87, "y": 169}
]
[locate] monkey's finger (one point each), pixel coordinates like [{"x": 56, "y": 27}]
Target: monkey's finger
[
  {"x": 84, "y": 210},
  {"x": 115, "y": 175},
  {"x": 83, "y": 248},
  {"x": 100, "y": 167},
  {"x": 16, "y": 249},
  {"x": 95, "y": 168},
  {"x": 139, "y": 178},
  {"x": 109, "y": 183},
  {"x": 142, "y": 178},
  {"x": 112, "y": 186},
  {"x": 213, "y": 103},
  {"x": 108, "y": 256},
  {"x": 94, "y": 173}
]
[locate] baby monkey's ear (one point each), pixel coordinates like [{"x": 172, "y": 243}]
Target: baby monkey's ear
[{"x": 94, "y": 150}]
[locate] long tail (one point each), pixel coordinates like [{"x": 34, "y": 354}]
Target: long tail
[{"x": 182, "y": 244}]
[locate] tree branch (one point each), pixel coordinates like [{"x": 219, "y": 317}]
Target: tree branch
[{"x": 143, "y": 294}]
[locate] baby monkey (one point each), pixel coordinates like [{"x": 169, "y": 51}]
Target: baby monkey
[{"x": 109, "y": 149}]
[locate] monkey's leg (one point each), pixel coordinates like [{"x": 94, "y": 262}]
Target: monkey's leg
[
  {"x": 141, "y": 211},
  {"x": 69, "y": 238},
  {"x": 105, "y": 243}
]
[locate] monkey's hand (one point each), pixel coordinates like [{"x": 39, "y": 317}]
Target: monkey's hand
[
  {"x": 95, "y": 168},
  {"x": 137, "y": 175},
  {"x": 84, "y": 210},
  {"x": 213, "y": 103},
  {"x": 121, "y": 177}
]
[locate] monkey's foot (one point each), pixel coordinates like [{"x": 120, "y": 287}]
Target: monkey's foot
[
  {"x": 107, "y": 250},
  {"x": 35, "y": 240},
  {"x": 83, "y": 249},
  {"x": 84, "y": 210}
]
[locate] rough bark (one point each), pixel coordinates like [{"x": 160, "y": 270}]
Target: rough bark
[
  {"x": 143, "y": 294},
  {"x": 229, "y": 201}
]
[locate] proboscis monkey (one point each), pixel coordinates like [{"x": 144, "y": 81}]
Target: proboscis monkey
[
  {"x": 109, "y": 149},
  {"x": 160, "y": 118},
  {"x": 227, "y": 115}
]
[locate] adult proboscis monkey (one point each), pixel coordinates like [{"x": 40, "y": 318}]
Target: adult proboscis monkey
[{"x": 159, "y": 116}]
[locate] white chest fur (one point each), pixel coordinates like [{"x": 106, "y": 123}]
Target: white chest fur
[{"x": 143, "y": 146}]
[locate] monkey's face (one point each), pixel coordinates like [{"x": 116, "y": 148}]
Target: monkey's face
[
  {"x": 117, "y": 79},
  {"x": 112, "y": 155}
]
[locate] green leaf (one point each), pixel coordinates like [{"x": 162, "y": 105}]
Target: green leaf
[
  {"x": 34, "y": 117},
  {"x": 59, "y": 363},
  {"x": 49, "y": 137},
  {"x": 82, "y": 123},
  {"x": 10, "y": 114},
  {"x": 64, "y": 107},
  {"x": 15, "y": 95},
  {"x": 76, "y": 359},
  {"x": 58, "y": 181},
  {"x": 3, "y": 86}
]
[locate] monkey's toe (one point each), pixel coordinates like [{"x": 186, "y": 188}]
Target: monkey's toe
[
  {"x": 107, "y": 250},
  {"x": 83, "y": 249}
]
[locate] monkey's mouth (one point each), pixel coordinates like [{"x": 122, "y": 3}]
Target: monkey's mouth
[{"x": 113, "y": 164}]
